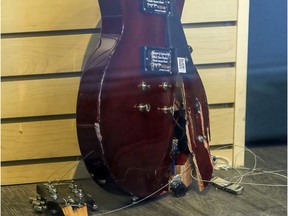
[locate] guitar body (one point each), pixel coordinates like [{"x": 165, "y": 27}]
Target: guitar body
[
  {"x": 116, "y": 137},
  {"x": 126, "y": 97}
]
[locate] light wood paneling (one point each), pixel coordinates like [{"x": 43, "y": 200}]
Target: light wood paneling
[
  {"x": 58, "y": 138},
  {"x": 42, "y": 15},
  {"x": 39, "y": 97},
  {"x": 42, "y": 172},
  {"x": 43, "y": 55},
  {"x": 66, "y": 53},
  {"x": 42, "y": 147},
  {"x": 212, "y": 44},
  {"x": 39, "y": 139},
  {"x": 196, "y": 11},
  {"x": 222, "y": 122},
  {"x": 219, "y": 84}
]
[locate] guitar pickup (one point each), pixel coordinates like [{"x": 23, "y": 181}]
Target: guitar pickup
[
  {"x": 156, "y": 60},
  {"x": 160, "y": 7}
]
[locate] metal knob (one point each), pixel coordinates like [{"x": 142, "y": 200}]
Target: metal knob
[
  {"x": 70, "y": 200},
  {"x": 40, "y": 209},
  {"x": 52, "y": 189},
  {"x": 80, "y": 194},
  {"x": 54, "y": 196},
  {"x": 143, "y": 107},
  {"x": 144, "y": 86},
  {"x": 166, "y": 86},
  {"x": 167, "y": 110}
]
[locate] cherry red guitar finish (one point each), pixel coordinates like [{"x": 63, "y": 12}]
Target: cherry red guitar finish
[
  {"x": 124, "y": 111},
  {"x": 132, "y": 145}
]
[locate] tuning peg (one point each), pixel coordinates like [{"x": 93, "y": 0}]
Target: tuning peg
[
  {"x": 33, "y": 199},
  {"x": 70, "y": 200},
  {"x": 38, "y": 204},
  {"x": 72, "y": 185},
  {"x": 52, "y": 189},
  {"x": 37, "y": 200},
  {"x": 54, "y": 196},
  {"x": 40, "y": 208},
  {"x": 80, "y": 194}
]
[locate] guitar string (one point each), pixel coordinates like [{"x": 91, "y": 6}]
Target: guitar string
[
  {"x": 141, "y": 200},
  {"x": 238, "y": 181},
  {"x": 74, "y": 166},
  {"x": 251, "y": 172},
  {"x": 252, "y": 183}
]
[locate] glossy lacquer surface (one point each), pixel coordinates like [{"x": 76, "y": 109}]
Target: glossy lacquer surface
[
  {"x": 124, "y": 114},
  {"x": 115, "y": 137}
]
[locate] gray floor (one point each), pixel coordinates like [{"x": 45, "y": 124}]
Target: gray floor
[{"x": 256, "y": 199}]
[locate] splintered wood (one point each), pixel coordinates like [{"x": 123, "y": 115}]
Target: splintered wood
[{"x": 69, "y": 211}]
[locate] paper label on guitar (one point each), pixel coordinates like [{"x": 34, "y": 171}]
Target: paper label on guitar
[
  {"x": 156, "y": 60},
  {"x": 181, "y": 65},
  {"x": 160, "y": 7}
]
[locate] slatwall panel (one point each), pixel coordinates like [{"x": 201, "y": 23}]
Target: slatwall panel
[{"x": 45, "y": 45}]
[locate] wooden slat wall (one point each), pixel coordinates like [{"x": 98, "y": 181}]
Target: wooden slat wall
[
  {"x": 35, "y": 16},
  {"x": 44, "y": 48}
]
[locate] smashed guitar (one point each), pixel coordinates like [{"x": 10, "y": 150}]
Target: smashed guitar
[{"x": 141, "y": 105}]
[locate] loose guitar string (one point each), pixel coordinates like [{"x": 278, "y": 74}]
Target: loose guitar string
[
  {"x": 254, "y": 168},
  {"x": 251, "y": 183},
  {"x": 274, "y": 172},
  {"x": 239, "y": 181},
  {"x": 236, "y": 182},
  {"x": 260, "y": 171},
  {"x": 251, "y": 172},
  {"x": 143, "y": 199},
  {"x": 71, "y": 162},
  {"x": 241, "y": 176},
  {"x": 237, "y": 170},
  {"x": 166, "y": 185}
]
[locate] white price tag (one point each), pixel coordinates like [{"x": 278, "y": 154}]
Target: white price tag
[{"x": 181, "y": 64}]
